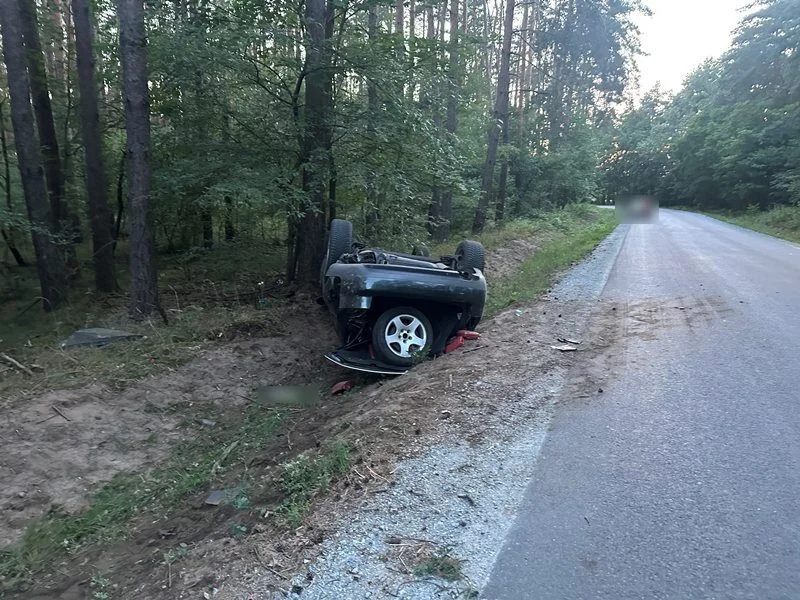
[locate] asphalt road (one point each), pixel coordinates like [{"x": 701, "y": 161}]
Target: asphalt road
[{"x": 682, "y": 479}]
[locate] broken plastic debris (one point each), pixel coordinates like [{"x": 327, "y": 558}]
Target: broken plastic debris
[
  {"x": 454, "y": 344},
  {"x": 342, "y": 386},
  {"x": 468, "y": 335},
  {"x": 215, "y": 497},
  {"x": 564, "y": 348},
  {"x": 97, "y": 336}
]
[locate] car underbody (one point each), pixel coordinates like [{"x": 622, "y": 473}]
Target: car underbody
[{"x": 392, "y": 309}]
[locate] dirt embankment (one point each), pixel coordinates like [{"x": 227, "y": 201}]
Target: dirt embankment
[{"x": 60, "y": 447}]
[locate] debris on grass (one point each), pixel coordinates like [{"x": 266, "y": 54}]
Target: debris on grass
[
  {"x": 97, "y": 336},
  {"x": 16, "y": 364},
  {"x": 342, "y": 387},
  {"x": 215, "y": 497}
]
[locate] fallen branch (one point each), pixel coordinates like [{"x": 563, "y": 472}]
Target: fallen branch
[
  {"x": 17, "y": 365},
  {"x": 475, "y": 349},
  {"x": 55, "y": 408},
  {"x": 223, "y": 456}
]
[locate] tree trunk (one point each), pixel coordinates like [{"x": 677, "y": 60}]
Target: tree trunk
[
  {"x": 48, "y": 260},
  {"x": 500, "y": 115},
  {"x": 43, "y": 109},
  {"x": 96, "y": 187},
  {"x": 412, "y": 16},
  {"x": 230, "y": 230},
  {"x": 371, "y": 216},
  {"x": 207, "y": 222},
  {"x": 500, "y": 201},
  {"x": 435, "y": 207},
  {"x": 399, "y": 20},
  {"x": 120, "y": 200},
  {"x": 442, "y": 19},
  {"x": 310, "y": 238},
  {"x": 133, "y": 51},
  {"x": 442, "y": 227},
  {"x": 8, "y": 236}
]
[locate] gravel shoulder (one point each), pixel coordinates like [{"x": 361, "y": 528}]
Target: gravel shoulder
[{"x": 457, "y": 493}]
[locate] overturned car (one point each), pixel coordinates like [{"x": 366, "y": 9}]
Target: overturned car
[{"x": 394, "y": 309}]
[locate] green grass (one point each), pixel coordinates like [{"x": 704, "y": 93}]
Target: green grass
[
  {"x": 535, "y": 274},
  {"x": 207, "y": 295},
  {"x": 440, "y": 564},
  {"x": 159, "y": 349},
  {"x": 307, "y": 476},
  {"x": 193, "y": 466},
  {"x": 780, "y": 221},
  {"x": 544, "y": 226}
]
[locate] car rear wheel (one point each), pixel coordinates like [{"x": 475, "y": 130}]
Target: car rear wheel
[
  {"x": 421, "y": 250},
  {"x": 470, "y": 255},
  {"x": 402, "y": 336}
]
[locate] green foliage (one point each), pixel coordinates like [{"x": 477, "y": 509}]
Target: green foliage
[
  {"x": 308, "y": 475},
  {"x": 729, "y": 139},
  {"x": 99, "y": 586},
  {"x": 439, "y": 564}
]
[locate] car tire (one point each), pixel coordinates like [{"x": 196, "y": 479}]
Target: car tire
[
  {"x": 402, "y": 336},
  {"x": 339, "y": 241},
  {"x": 470, "y": 255}
]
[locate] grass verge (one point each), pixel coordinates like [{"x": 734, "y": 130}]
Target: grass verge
[
  {"x": 309, "y": 475},
  {"x": 535, "y": 274},
  {"x": 779, "y": 221},
  {"x": 544, "y": 226}
]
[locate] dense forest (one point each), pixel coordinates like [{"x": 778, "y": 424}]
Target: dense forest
[
  {"x": 133, "y": 129},
  {"x": 730, "y": 138},
  {"x": 158, "y": 127}
]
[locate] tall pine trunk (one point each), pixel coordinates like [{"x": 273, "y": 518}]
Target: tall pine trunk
[
  {"x": 500, "y": 114},
  {"x": 133, "y": 50},
  {"x": 371, "y": 209},
  {"x": 442, "y": 228},
  {"x": 8, "y": 236},
  {"x": 500, "y": 203},
  {"x": 309, "y": 242},
  {"x": 45, "y": 124},
  {"x": 48, "y": 260},
  {"x": 96, "y": 183}
]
